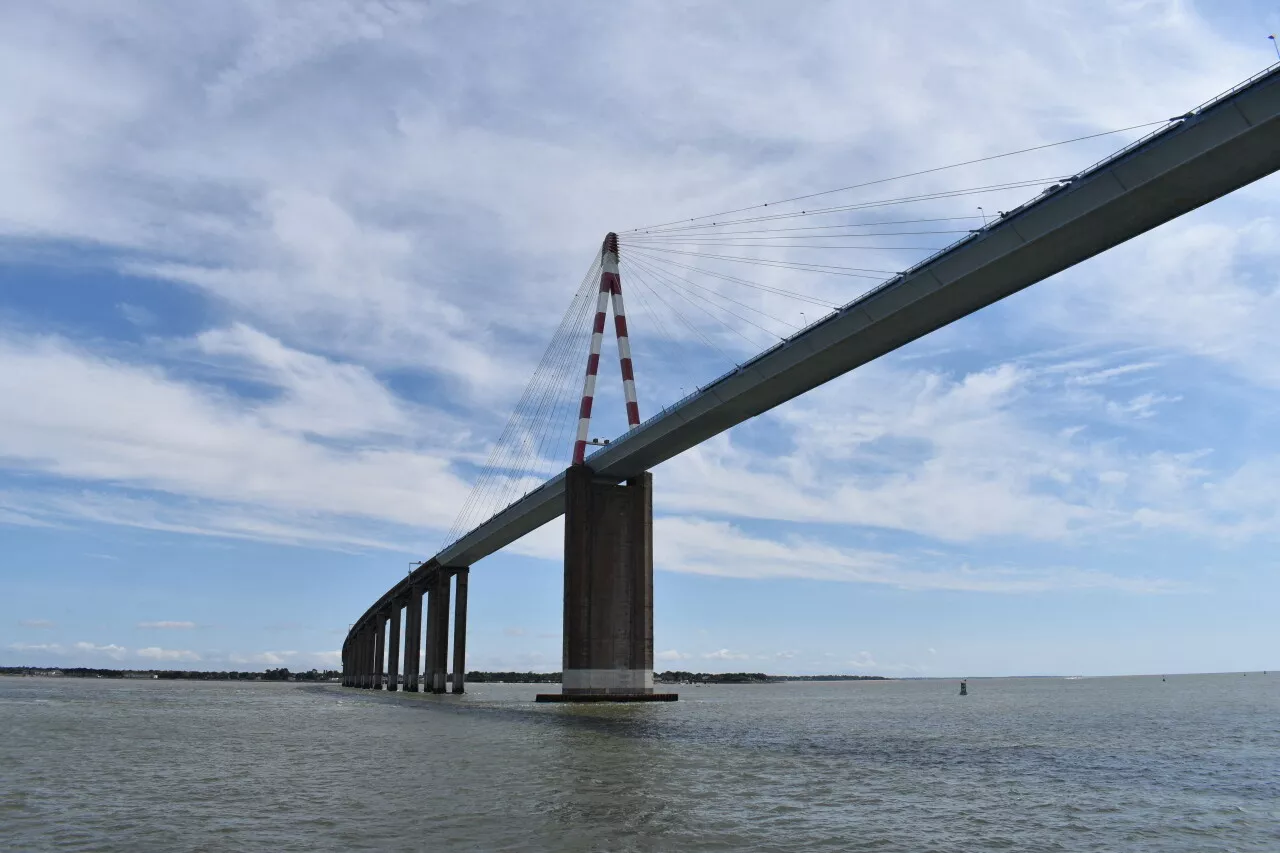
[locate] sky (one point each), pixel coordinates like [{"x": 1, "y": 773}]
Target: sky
[{"x": 273, "y": 275}]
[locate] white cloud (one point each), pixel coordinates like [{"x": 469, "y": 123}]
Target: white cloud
[
  {"x": 158, "y": 654},
  {"x": 194, "y": 441},
  {"x": 110, "y": 650},
  {"x": 52, "y": 648},
  {"x": 295, "y": 660},
  {"x": 725, "y": 550},
  {"x": 87, "y": 654},
  {"x": 291, "y": 146},
  {"x": 168, "y": 625},
  {"x": 1204, "y": 286},
  {"x": 672, "y": 655},
  {"x": 137, "y": 314},
  {"x": 37, "y": 623},
  {"x": 725, "y": 654},
  {"x": 20, "y": 519}
]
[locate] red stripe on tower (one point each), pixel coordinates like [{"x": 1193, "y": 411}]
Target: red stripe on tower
[{"x": 610, "y": 289}]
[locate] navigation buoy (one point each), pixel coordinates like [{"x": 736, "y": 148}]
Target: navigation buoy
[{"x": 964, "y": 688}]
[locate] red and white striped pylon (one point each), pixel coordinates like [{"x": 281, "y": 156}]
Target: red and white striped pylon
[{"x": 610, "y": 286}]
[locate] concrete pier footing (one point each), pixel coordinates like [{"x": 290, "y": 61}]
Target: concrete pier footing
[{"x": 608, "y": 590}]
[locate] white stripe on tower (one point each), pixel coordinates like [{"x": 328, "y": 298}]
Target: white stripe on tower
[
  {"x": 593, "y": 364},
  {"x": 610, "y": 272}
]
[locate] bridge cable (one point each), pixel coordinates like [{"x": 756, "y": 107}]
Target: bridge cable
[
  {"x": 876, "y": 223},
  {"x": 866, "y": 205},
  {"x": 735, "y": 280},
  {"x": 563, "y": 413},
  {"x": 683, "y": 295},
  {"x": 501, "y": 451},
  {"x": 904, "y": 176},
  {"x": 633, "y": 271},
  {"x": 700, "y": 239},
  {"x": 829, "y": 269},
  {"x": 673, "y": 277}
]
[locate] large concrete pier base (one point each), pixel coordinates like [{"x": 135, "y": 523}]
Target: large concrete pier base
[{"x": 608, "y": 590}]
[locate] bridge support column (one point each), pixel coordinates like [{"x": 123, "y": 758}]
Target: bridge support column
[
  {"x": 412, "y": 638},
  {"x": 440, "y": 685},
  {"x": 355, "y": 659},
  {"x": 393, "y": 647},
  {"x": 429, "y": 641},
  {"x": 356, "y": 672},
  {"x": 438, "y": 631},
  {"x": 379, "y": 649},
  {"x": 460, "y": 629},
  {"x": 367, "y": 655},
  {"x": 608, "y": 590}
]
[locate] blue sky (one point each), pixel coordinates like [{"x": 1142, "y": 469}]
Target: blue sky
[{"x": 272, "y": 276}]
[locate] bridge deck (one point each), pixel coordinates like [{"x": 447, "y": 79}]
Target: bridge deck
[{"x": 1219, "y": 147}]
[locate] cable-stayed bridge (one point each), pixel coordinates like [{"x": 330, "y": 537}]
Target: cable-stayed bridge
[{"x": 606, "y": 495}]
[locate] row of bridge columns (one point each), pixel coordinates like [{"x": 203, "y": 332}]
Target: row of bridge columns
[{"x": 369, "y": 655}]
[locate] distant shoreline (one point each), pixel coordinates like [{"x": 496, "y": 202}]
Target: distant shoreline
[
  {"x": 484, "y": 677},
  {"x": 476, "y": 677}
]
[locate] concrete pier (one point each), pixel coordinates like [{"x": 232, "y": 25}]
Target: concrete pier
[
  {"x": 608, "y": 590},
  {"x": 368, "y": 658},
  {"x": 429, "y": 649},
  {"x": 460, "y": 628},
  {"x": 412, "y": 638},
  {"x": 355, "y": 660},
  {"x": 362, "y": 668},
  {"x": 393, "y": 646},
  {"x": 379, "y": 650},
  {"x": 440, "y": 648}
]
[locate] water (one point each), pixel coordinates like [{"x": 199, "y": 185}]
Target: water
[{"x": 1104, "y": 764}]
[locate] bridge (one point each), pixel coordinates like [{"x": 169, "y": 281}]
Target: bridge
[{"x": 1188, "y": 161}]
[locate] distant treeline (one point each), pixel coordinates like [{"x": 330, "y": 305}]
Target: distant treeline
[
  {"x": 832, "y": 678},
  {"x": 477, "y": 677},
  {"x": 669, "y": 677},
  {"x": 682, "y": 677},
  {"x": 281, "y": 674},
  {"x": 679, "y": 676},
  {"x": 513, "y": 677}
]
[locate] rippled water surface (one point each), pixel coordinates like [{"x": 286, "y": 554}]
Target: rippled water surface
[{"x": 1109, "y": 764}]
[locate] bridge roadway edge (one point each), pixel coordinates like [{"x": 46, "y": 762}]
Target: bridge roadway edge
[{"x": 1226, "y": 144}]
